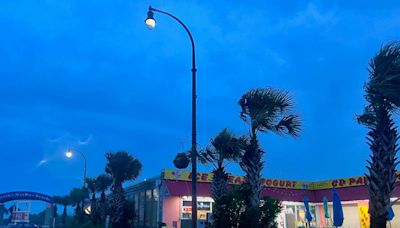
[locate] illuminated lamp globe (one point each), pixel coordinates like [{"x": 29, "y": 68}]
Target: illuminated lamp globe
[
  {"x": 68, "y": 154},
  {"x": 150, "y": 22}
]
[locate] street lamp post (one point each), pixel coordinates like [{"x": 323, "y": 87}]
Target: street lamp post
[
  {"x": 151, "y": 23},
  {"x": 70, "y": 153}
]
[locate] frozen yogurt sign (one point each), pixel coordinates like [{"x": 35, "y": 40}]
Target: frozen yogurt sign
[{"x": 181, "y": 175}]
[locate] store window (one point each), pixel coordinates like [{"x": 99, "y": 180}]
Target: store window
[
  {"x": 142, "y": 200},
  {"x": 154, "y": 208},
  {"x": 294, "y": 215},
  {"x": 136, "y": 219},
  {"x": 145, "y": 207},
  {"x": 204, "y": 206},
  {"x": 148, "y": 208},
  {"x": 186, "y": 209}
]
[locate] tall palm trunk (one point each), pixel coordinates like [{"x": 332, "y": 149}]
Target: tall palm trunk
[
  {"x": 382, "y": 175},
  {"x": 93, "y": 209},
  {"x": 252, "y": 164},
  {"x": 83, "y": 214},
  {"x": 79, "y": 213},
  {"x": 103, "y": 207},
  {"x": 118, "y": 201},
  {"x": 219, "y": 183}
]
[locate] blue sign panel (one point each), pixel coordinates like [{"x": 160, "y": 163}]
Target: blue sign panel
[{"x": 10, "y": 196}]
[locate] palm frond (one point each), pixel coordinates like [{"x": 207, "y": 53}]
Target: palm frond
[
  {"x": 122, "y": 166},
  {"x": 91, "y": 184},
  {"x": 368, "y": 118},
  {"x": 227, "y": 145},
  {"x": 261, "y": 100},
  {"x": 207, "y": 156},
  {"x": 224, "y": 147},
  {"x": 103, "y": 182},
  {"x": 289, "y": 125},
  {"x": 384, "y": 80},
  {"x": 269, "y": 110}
]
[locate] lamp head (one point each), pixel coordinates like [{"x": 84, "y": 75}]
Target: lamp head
[
  {"x": 150, "y": 21},
  {"x": 69, "y": 153}
]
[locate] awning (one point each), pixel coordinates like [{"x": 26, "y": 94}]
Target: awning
[{"x": 184, "y": 188}]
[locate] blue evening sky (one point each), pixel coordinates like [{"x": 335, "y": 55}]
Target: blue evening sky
[{"x": 89, "y": 74}]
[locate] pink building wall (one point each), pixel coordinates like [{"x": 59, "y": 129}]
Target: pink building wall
[{"x": 171, "y": 208}]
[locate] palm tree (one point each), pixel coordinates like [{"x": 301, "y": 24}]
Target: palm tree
[
  {"x": 224, "y": 147},
  {"x": 56, "y": 200},
  {"x": 122, "y": 167},
  {"x": 78, "y": 196},
  {"x": 383, "y": 96},
  {"x": 65, "y": 201},
  {"x": 265, "y": 110},
  {"x": 91, "y": 185},
  {"x": 103, "y": 182}
]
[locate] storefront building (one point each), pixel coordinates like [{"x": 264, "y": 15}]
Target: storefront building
[{"x": 167, "y": 199}]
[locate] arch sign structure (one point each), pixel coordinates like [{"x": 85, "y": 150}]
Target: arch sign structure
[{"x": 10, "y": 196}]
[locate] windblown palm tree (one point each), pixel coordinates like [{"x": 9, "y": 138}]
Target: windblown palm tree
[
  {"x": 65, "y": 201},
  {"x": 224, "y": 147},
  {"x": 383, "y": 96},
  {"x": 122, "y": 167},
  {"x": 103, "y": 182},
  {"x": 265, "y": 110},
  {"x": 78, "y": 196},
  {"x": 57, "y": 201}
]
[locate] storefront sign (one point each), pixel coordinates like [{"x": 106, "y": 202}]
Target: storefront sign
[
  {"x": 181, "y": 175},
  {"x": 205, "y": 206},
  {"x": 340, "y": 183},
  {"x": 10, "y": 196}
]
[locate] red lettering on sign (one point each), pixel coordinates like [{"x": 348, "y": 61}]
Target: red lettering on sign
[
  {"x": 281, "y": 183},
  {"x": 288, "y": 184},
  {"x": 342, "y": 182},
  {"x": 275, "y": 183},
  {"x": 230, "y": 179},
  {"x": 268, "y": 182},
  {"x": 360, "y": 181},
  {"x": 204, "y": 176},
  {"x": 352, "y": 181},
  {"x": 334, "y": 183},
  {"x": 263, "y": 182}
]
